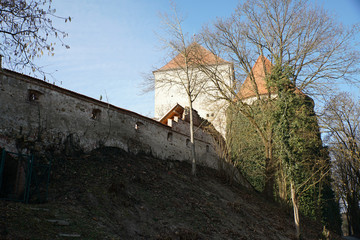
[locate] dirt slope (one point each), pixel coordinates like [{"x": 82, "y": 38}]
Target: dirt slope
[{"x": 110, "y": 194}]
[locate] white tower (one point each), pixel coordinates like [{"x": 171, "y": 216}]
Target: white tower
[{"x": 167, "y": 95}]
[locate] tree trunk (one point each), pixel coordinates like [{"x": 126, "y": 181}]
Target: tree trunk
[
  {"x": 282, "y": 184},
  {"x": 354, "y": 215},
  {"x": 296, "y": 210},
  {"x": 348, "y": 223},
  {"x": 269, "y": 172},
  {"x": 193, "y": 153}
]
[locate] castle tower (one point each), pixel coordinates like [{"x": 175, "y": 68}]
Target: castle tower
[
  {"x": 255, "y": 87},
  {"x": 167, "y": 95}
]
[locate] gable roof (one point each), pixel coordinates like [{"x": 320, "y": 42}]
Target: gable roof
[
  {"x": 250, "y": 87},
  {"x": 177, "y": 111},
  {"x": 197, "y": 54}
]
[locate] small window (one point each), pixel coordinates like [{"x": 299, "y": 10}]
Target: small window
[
  {"x": 138, "y": 126},
  {"x": 207, "y": 148},
  {"x": 212, "y": 114},
  {"x": 188, "y": 142},
  {"x": 207, "y": 115},
  {"x": 170, "y": 136},
  {"x": 95, "y": 114},
  {"x": 33, "y": 95}
]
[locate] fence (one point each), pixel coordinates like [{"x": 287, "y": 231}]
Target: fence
[{"x": 23, "y": 178}]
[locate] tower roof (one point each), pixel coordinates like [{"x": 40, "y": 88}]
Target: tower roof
[
  {"x": 196, "y": 55},
  {"x": 251, "y": 87}
]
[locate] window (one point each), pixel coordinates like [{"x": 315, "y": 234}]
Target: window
[
  {"x": 33, "y": 95},
  {"x": 95, "y": 113},
  {"x": 188, "y": 142},
  {"x": 207, "y": 148},
  {"x": 170, "y": 136},
  {"x": 138, "y": 125}
]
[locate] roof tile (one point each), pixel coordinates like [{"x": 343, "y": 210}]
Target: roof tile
[
  {"x": 197, "y": 54},
  {"x": 249, "y": 88}
]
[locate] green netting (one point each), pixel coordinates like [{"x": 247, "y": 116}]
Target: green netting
[{"x": 22, "y": 178}]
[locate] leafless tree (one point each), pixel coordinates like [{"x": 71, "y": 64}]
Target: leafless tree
[
  {"x": 184, "y": 74},
  {"x": 295, "y": 33},
  {"x": 341, "y": 118},
  {"x": 26, "y": 32}
]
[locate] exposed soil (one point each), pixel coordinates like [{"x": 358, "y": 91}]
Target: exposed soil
[{"x": 110, "y": 194}]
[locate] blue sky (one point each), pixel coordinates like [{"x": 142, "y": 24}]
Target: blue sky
[{"x": 113, "y": 43}]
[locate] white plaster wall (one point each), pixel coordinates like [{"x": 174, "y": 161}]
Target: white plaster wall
[
  {"x": 208, "y": 106},
  {"x": 184, "y": 127},
  {"x": 251, "y": 100}
]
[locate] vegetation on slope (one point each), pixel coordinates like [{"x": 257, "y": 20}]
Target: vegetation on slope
[{"x": 110, "y": 194}]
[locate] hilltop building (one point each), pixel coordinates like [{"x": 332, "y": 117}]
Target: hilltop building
[
  {"x": 169, "y": 92},
  {"x": 40, "y": 118}
]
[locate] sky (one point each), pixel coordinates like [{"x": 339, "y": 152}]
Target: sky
[{"x": 114, "y": 43}]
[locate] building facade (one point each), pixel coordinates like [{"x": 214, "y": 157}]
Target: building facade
[{"x": 171, "y": 81}]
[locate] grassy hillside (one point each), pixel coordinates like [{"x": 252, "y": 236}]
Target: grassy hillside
[{"x": 110, "y": 194}]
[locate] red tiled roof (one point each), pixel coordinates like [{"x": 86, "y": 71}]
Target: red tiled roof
[
  {"x": 249, "y": 88},
  {"x": 197, "y": 55}
]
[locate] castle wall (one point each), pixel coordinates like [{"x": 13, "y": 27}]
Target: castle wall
[{"x": 35, "y": 115}]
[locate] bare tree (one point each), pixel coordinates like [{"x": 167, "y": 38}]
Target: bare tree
[
  {"x": 341, "y": 118},
  {"x": 319, "y": 51},
  {"x": 184, "y": 74},
  {"x": 26, "y": 32}
]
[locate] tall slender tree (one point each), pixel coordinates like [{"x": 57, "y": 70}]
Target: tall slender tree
[
  {"x": 185, "y": 74},
  {"x": 341, "y": 119}
]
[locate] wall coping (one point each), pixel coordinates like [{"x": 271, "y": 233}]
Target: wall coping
[{"x": 88, "y": 99}]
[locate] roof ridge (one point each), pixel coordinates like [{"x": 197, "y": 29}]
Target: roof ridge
[{"x": 207, "y": 57}]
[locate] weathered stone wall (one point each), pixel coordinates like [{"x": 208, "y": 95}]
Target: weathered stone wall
[{"x": 35, "y": 115}]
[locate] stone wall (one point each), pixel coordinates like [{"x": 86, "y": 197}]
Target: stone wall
[
  {"x": 41, "y": 117},
  {"x": 36, "y": 115}
]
